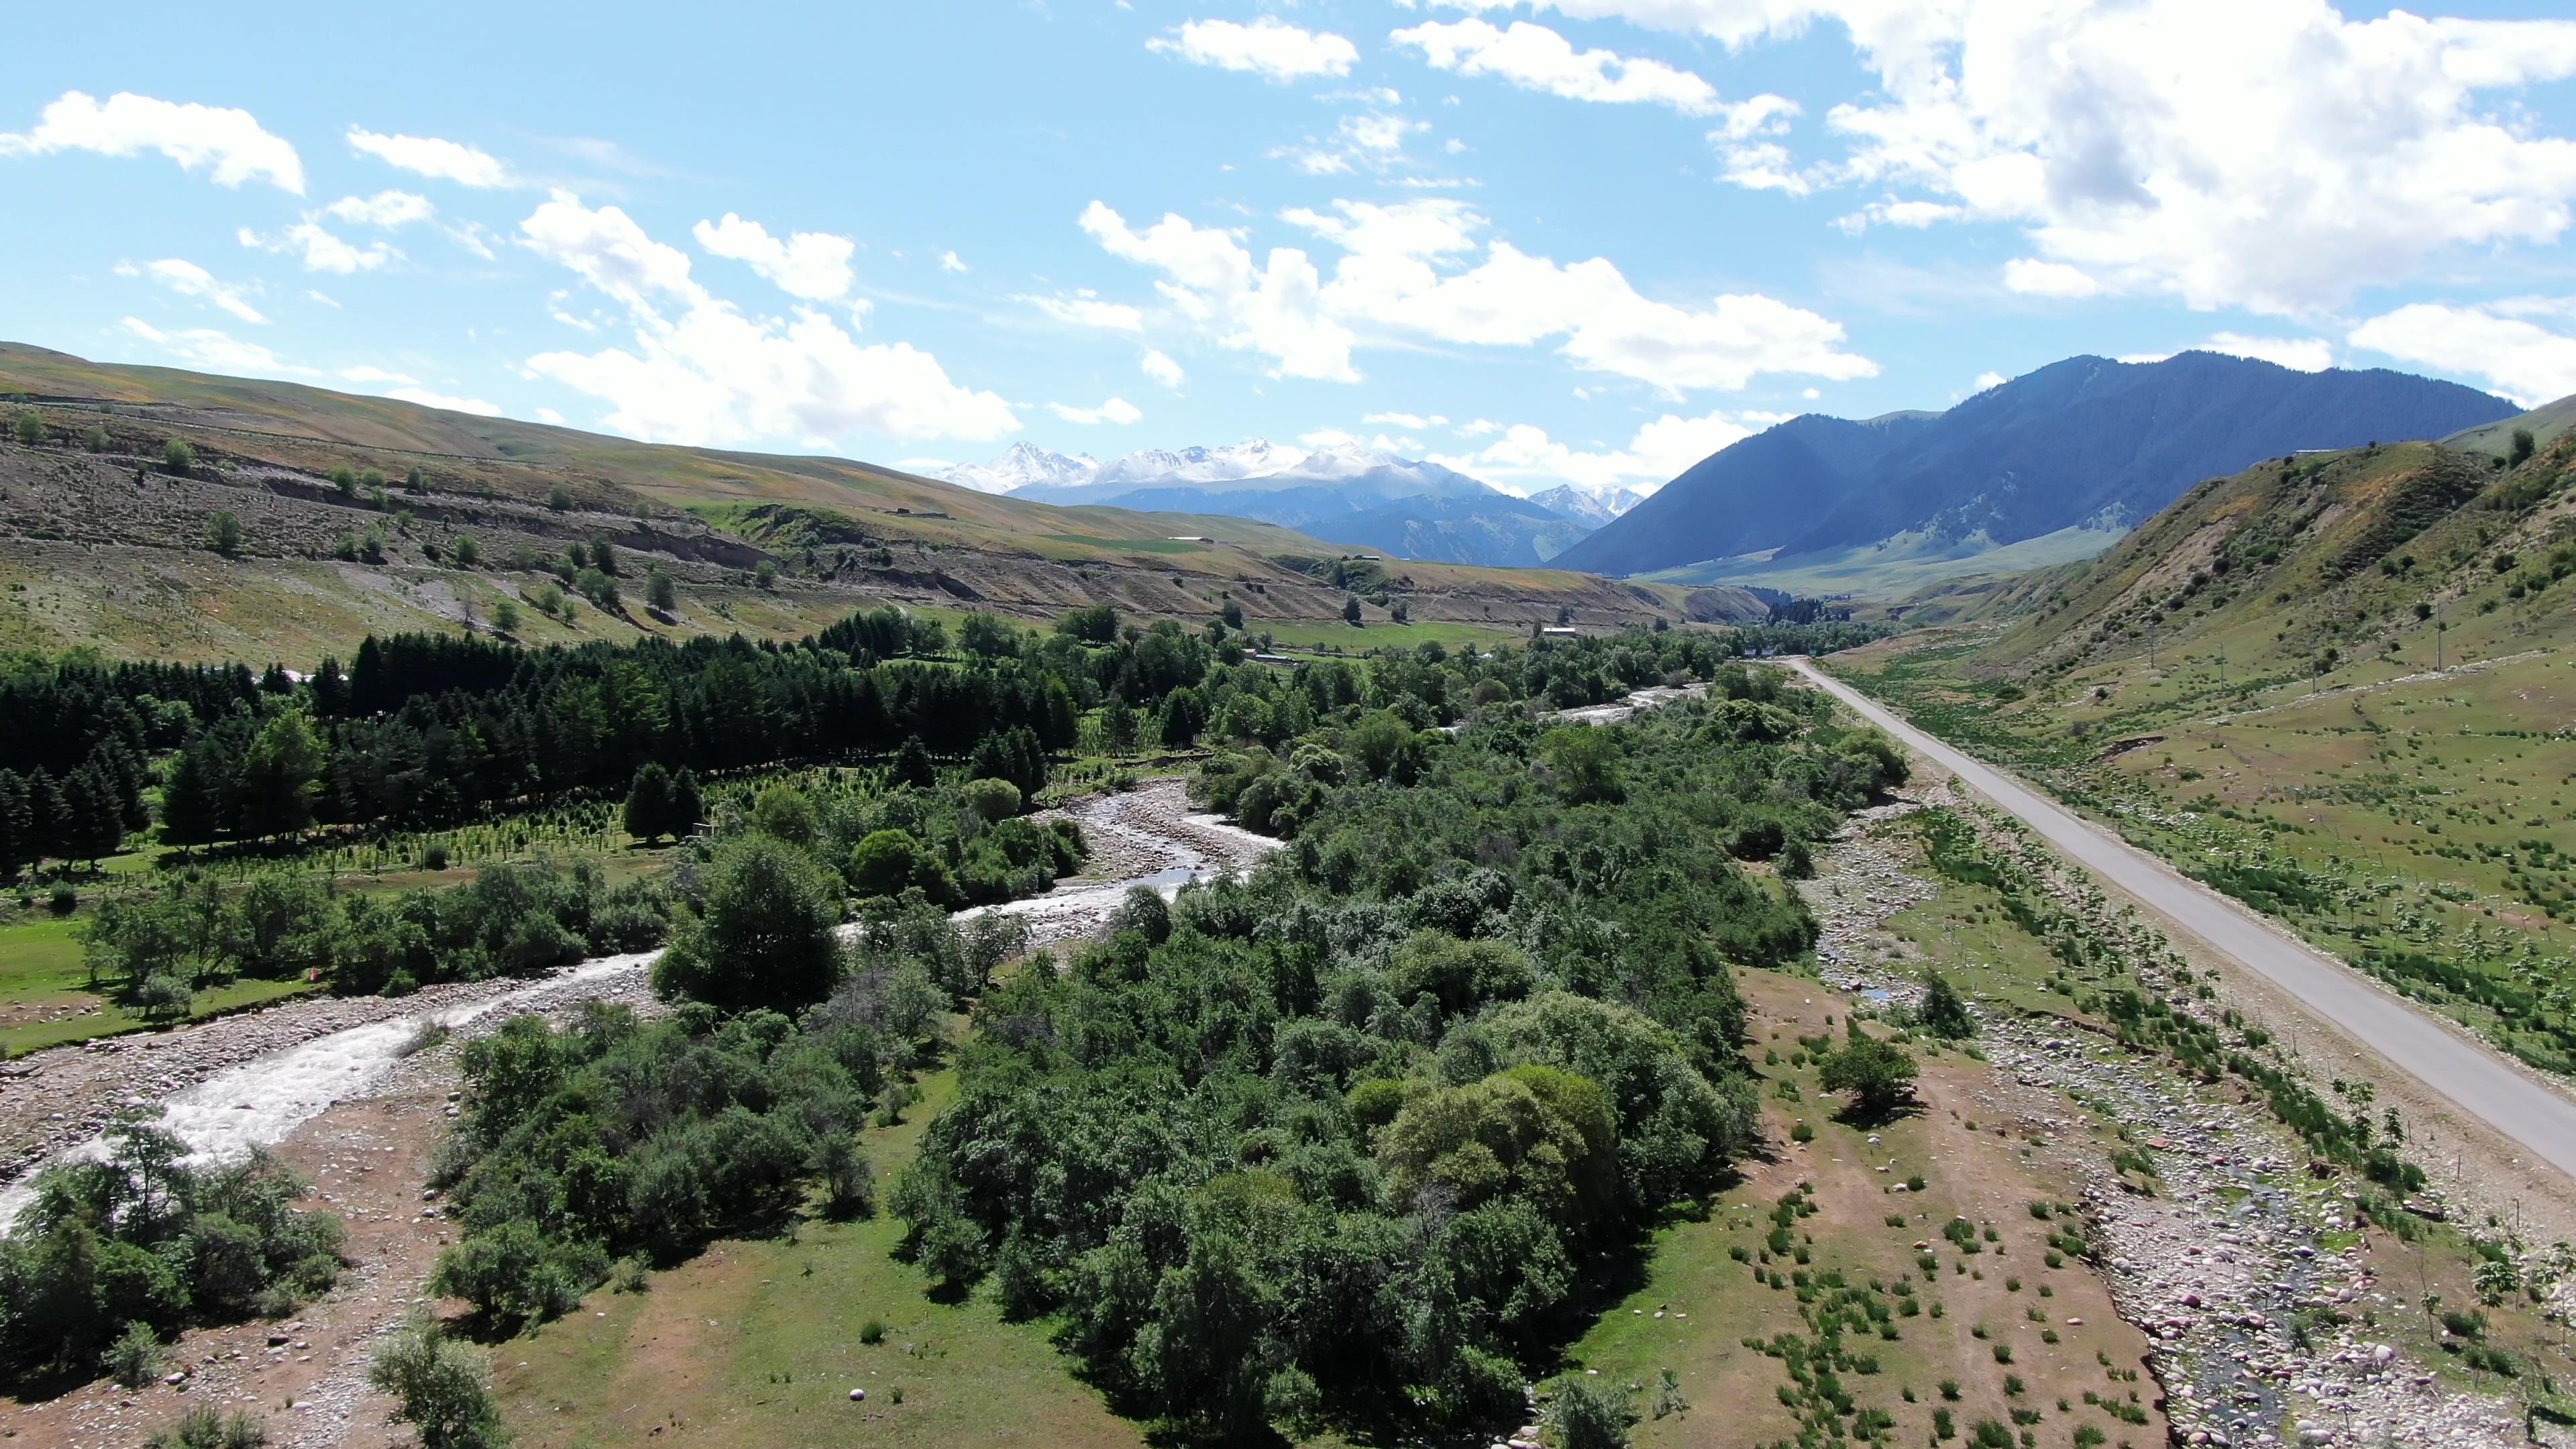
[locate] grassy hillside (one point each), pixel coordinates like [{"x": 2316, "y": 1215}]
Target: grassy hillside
[
  {"x": 2338, "y": 686},
  {"x": 102, "y": 544}
]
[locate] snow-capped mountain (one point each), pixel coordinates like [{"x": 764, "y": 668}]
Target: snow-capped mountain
[
  {"x": 1587, "y": 506},
  {"x": 1251, "y": 458},
  {"x": 1344, "y": 492},
  {"x": 1019, "y": 467}
]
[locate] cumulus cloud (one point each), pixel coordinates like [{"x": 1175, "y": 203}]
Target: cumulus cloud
[
  {"x": 229, "y": 143},
  {"x": 1416, "y": 421},
  {"x": 810, "y": 264},
  {"x": 437, "y": 159},
  {"x": 215, "y": 351},
  {"x": 1401, "y": 279},
  {"x": 2517, "y": 356},
  {"x": 1116, "y": 410},
  {"x": 1268, "y": 47},
  {"x": 387, "y": 209},
  {"x": 1524, "y": 459},
  {"x": 190, "y": 280},
  {"x": 950, "y": 262},
  {"x": 1536, "y": 58},
  {"x": 1272, "y": 308},
  {"x": 1161, "y": 369},
  {"x": 1085, "y": 309},
  {"x": 369, "y": 373},
  {"x": 428, "y": 399},
  {"x": 1989, "y": 380},
  {"x": 2306, "y": 157},
  {"x": 700, "y": 371},
  {"x": 320, "y": 250}
]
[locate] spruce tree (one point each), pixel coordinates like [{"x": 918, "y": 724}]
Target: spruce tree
[
  {"x": 688, "y": 806},
  {"x": 46, "y": 816},
  {"x": 912, "y": 765},
  {"x": 191, "y": 809},
  {"x": 13, "y": 824},
  {"x": 648, "y": 803},
  {"x": 93, "y": 823}
]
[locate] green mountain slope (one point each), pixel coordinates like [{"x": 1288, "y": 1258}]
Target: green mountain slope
[{"x": 102, "y": 545}]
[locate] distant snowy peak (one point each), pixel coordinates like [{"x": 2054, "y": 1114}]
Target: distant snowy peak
[
  {"x": 1254, "y": 465},
  {"x": 1252, "y": 458},
  {"x": 1021, "y": 465},
  {"x": 1595, "y": 507}
]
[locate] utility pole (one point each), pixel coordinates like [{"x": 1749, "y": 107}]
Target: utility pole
[{"x": 2441, "y": 626}]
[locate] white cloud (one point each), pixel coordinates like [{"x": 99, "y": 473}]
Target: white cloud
[
  {"x": 215, "y": 351},
  {"x": 949, "y": 262},
  {"x": 230, "y": 143},
  {"x": 1161, "y": 369},
  {"x": 2518, "y": 357},
  {"x": 365, "y": 372},
  {"x": 2303, "y": 158},
  {"x": 2299, "y": 354},
  {"x": 1525, "y": 460},
  {"x": 699, "y": 371},
  {"x": 1987, "y": 380},
  {"x": 1211, "y": 280},
  {"x": 429, "y": 156},
  {"x": 1389, "y": 286},
  {"x": 608, "y": 250},
  {"x": 814, "y": 265},
  {"x": 428, "y": 399},
  {"x": 190, "y": 280},
  {"x": 1536, "y": 58},
  {"x": 1268, "y": 47},
  {"x": 387, "y": 209},
  {"x": 1763, "y": 166},
  {"x": 1085, "y": 309},
  {"x": 550, "y": 416},
  {"x": 1116, "y": 410},
  {"x": 320, "y": 250},
  {"x": 1374, "y": 141},
  {"x": 2274, "y": 157},
  {"x": 2036, "y": 278},
  {"x": 1405, "y": 420}
]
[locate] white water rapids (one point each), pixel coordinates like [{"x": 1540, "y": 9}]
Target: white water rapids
[{"x": 263, "y": 1100}]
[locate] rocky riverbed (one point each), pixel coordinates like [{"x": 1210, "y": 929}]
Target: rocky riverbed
[{"x": 2238, "y": 1262}]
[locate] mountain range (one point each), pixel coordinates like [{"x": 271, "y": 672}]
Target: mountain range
[
  {"x": 2087, "y": 444},
  {"x": 1404, "y": 507}
]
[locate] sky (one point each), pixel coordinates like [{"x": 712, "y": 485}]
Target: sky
[{"x": 1583, "y": 241}]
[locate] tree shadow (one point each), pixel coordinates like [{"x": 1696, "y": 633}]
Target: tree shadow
[{"x": 1870, "y": 1116}]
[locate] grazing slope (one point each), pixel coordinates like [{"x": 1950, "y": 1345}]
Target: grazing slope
[
  {"x": 2084, "y": 442},
  {"x": 102, "y": 544}
]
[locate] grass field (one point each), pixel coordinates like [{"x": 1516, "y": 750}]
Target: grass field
[
  {"x": 2418, "y": 825},
  {"x": 45, "y": 998}
]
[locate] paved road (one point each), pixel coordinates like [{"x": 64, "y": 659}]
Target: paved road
[{"x": 2445, "y": 1059}]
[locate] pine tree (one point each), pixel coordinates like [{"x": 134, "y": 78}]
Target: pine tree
[
  {"x": 93, "y": 824},
  {"x": 13, "y": 824},
  {"x": 47, "y": 814},
  {"x": 912, "y": 765},
  {"x": 648, "y": 803},
  {"x": 688, "y": 806},
  {"x": 191, "y": 809}
]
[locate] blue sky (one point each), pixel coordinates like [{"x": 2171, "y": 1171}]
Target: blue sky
[{"x": 1587, "y": 241}]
